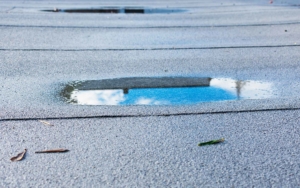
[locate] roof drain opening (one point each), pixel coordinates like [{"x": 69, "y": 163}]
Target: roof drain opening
[
  {"x": 163, "y": 91},
  {"x": 115, "y": 10}
]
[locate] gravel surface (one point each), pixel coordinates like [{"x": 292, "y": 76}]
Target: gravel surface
[
  {"x": 260, "y": 150},
  {"x": 149, "y": 146}
]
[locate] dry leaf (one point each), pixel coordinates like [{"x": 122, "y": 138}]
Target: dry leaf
[
  {"x": 19, "y": 157},
  {"x": 53, "y": 151},
  {"x": 45, "y": 122}
]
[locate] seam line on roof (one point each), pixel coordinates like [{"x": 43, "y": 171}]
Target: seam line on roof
[
  {"x": 154, "y": 27},
  {"x": 146, "y": 49},
  {"x": 149, "y": 115}
]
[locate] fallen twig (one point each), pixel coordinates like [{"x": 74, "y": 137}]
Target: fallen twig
[
  {"x": 53, "y": 151},
  {"x": 45, "y": 122}
]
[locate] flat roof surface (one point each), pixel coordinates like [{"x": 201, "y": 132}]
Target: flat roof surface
[{"x": 156, "y": 146}]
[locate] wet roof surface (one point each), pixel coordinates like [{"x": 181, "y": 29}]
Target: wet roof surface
[
  {"x": 41, "y": 52},
  {"x": 45, "y": 73}
]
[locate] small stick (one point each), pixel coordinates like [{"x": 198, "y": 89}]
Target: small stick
[
  {"x": 45, "y": 122},
  {"x": 53, "y": 151}
]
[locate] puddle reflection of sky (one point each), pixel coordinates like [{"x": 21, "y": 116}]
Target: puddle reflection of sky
[
  {"x": 219, "y": 90},
  {"x": 120, "y": 10}
]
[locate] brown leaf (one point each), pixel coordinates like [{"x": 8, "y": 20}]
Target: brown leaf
[
  {"x": 19, "y": 157},
  {"x": 45, "y": 122},
  {"x": 61, "y": 150}
]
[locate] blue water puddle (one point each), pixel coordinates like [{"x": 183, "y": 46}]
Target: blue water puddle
[
  {"x": 119, "y": 10},
  {"x": 221, "y": 89}
]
